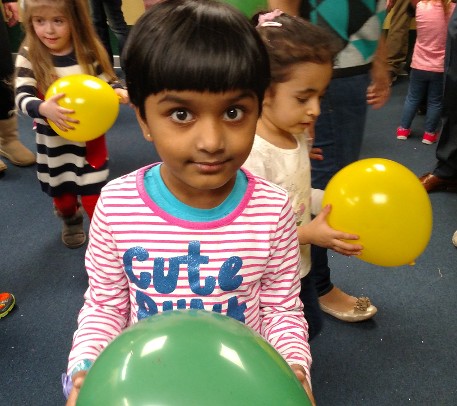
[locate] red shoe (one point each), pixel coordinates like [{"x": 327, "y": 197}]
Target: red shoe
[
  {"x": 403, "y": 133},
  {"x": 429, "y": 138},
  {"x": 7, "y": 302}
]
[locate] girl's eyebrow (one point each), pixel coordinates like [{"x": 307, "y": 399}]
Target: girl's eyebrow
[
  {"x": 307, "y": 91},
  {"x": 310, "y": 90},
  {"x": 172, "y": 98}
]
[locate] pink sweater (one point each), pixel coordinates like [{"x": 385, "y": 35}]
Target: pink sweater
[
  {"x": 431, "y": 25},
  {"x": 141, "y": 261}
]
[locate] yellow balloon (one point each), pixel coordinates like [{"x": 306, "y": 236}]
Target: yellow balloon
[
  {"x": 94, "y": 101},
  {"x": 386, "y": 205}
]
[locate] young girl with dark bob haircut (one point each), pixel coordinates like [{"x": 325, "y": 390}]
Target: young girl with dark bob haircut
[
  {"x": 200, "y": 54},
  {"x": 195, "y": 230}
]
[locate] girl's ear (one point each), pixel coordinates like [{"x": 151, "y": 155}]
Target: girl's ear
[
  {"x": 267, "y": 96},
  {"x": 143, "y": 125}
]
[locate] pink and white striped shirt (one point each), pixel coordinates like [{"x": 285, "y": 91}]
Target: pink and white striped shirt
[{"x": 141, "y": 261}]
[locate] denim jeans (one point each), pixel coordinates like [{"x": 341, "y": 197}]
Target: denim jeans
[
  {"x": 339, "y": 133},
  {"x": 110, "y": 11},
  {"x": 424, "y": 84}
]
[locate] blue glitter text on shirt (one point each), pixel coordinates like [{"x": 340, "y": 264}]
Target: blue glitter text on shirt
[{"x": 165, "y": 284}]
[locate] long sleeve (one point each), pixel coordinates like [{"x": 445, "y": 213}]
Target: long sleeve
[
  {"x": 107, "y": 305},
  {"x": 281, "y": 310},
  {"x": 141, "y": 261},
  {"x": 27, "y": 100}
]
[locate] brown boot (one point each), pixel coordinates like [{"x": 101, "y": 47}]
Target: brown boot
[
  {"x": 73, "y": 235},
  {"x": 2, "y": 166},
  {"x": 10, "y": 146}
]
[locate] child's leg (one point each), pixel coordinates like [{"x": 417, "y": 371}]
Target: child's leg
[
  {"x": 434, "y": 102},
  {"x": 416, "y": 92},
  {"x": 67, "y": 208},
  {"x": 313, "y": 313},
  {"x": 66, "y": 204},
  {"x": 89, "y": 202}
]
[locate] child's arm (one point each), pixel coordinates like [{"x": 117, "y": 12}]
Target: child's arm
[
  {"x": 319, "y": 233},
  {"x": 27, "y": 99},
  {"x": 281, "y": 311},
  {"x": 106, "y": 309}
]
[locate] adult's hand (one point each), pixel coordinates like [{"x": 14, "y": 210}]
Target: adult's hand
[{"x": 12, "y": 13}]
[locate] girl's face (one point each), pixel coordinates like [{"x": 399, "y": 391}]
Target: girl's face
[
  {"x": 53, "y": 30},
  {"x": 203, "y": 138},
  {"x": 292, "y": 106}
]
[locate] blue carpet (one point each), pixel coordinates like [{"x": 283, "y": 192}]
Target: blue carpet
[{"x": 404, "y": 356}]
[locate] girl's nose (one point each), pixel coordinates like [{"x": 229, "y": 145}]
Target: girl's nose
[
  {"x": 210, "y": 133},
  {"x": 49, "y": 27},
  {"x": 314, "y": 108}
]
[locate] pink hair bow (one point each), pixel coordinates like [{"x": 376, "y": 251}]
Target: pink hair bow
[{"x": 266, "y": 20}]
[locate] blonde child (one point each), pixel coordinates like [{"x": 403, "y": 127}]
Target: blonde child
[
  {"x": 60, "y": 41},
  {"x": 301, "y": 59},
  {"x": 194, "y": 231}
]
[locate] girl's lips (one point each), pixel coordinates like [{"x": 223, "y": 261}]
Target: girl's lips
[{"x": 210, "y": 167}]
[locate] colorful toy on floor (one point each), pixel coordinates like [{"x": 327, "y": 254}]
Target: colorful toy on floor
[
  {"x": 7, "y": 301},
  {"x": 385, "y": 204},
  {"x": 94, "y": 101},
  {"x": 190, "y": 357}
]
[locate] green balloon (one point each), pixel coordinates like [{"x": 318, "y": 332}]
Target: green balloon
[
  {"x": 249, "y": 7},
  {"x": 187, "y": 358}
]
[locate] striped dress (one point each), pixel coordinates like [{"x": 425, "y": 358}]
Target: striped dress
[
  {"x": 141, "y": 261},
  {"x": 61, "y": 164}
]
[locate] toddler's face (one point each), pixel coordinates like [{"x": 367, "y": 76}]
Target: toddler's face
[
  {"x": 203, "y": 138},
  {"x": 292, "y": 106},
  {"x": 53, "y": 30}
]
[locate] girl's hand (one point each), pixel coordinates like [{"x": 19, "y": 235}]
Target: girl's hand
[
  {"x": 123, "y": 95},
  {"x": 301, "y": 375},
  {"x": 316, "y": 154},
  {"x": 78, "y": 380},
  {"x": 57, "y": 114},
  {"x": 318, "y": 232}
]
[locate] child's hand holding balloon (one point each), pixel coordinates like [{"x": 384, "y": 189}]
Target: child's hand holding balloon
[
  {"x": 78, "y": 380},
  {"x": 57, "y": 114},
  {"x": 123, "y": 95},
  {"x": 319, "y": 232},
  {"x": 94, "y": 103},
  {"x": 299, "y": 372}
]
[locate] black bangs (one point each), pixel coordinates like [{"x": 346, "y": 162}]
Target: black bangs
[{"x": 197, "y": 46}]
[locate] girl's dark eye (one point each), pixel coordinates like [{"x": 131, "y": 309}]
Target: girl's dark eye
[
  {"x": 181, "y": 116},
  {"x": 233, "y": 114}
]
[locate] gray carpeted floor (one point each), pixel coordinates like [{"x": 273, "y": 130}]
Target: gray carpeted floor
[{"x": 405, "y": 356}]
